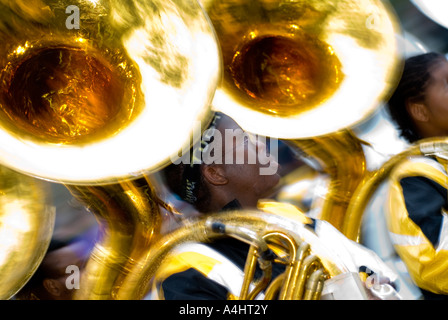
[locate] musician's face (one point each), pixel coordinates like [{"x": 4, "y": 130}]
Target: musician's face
[
  {"x": 436, "y": 98},
  {"x": 249, "y": 167}
]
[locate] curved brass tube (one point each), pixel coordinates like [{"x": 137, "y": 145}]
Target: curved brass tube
[
  {"x": 129, "y": 221},
  {"x": 362, "y": 196},
  {"x": 253, "y": 259},
  {"x": 314, "y": 285},
  {"x": 290, "y": 286},
  {"x": 296, "y": 250},
  {"x": 203, "y": 230},
  {"x": 342, "y": 158},
  {"x": 27, "y": 218},
  {"x": 273, "y": 290}
]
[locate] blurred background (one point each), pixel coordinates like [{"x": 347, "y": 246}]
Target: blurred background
[{"x": 431, "y": 34}]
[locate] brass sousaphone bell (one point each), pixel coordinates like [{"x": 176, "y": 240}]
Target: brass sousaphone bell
[
  {"x": 96, "y": 94},
  {"x": 306, "y": 72},
  {"x": 96, "y": 108}
]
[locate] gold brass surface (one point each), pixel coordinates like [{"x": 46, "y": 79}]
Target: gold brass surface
[
  {"x": 82, "y": 100},
  {"x": 98, "y": 101},
  {"x": 342, "y": 158},
  {"x": 274, "y": 53},
  {"x": 129, "y": 220},
  {"x": 100, "y": 107},
  {"x": 27, "y": 220},
  {"x": 201, "y": 230},
  {"x": 306, "y": 72},
  {"x": 436, "y": 147}
]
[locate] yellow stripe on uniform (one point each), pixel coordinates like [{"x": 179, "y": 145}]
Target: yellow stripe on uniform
[{"x": 428, "y": 266}]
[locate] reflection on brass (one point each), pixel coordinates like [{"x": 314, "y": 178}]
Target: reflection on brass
[
  {"x": 299, "y": 249},
  {"x": 306, "y": 72},
  {"x": 107, "y": 85},
  {"x": 69, "y": 95},
  {"x": 434, "y": 147},
  {"x": 99, "y": 109},
  {"x": 284, "y": 75},
  {"x": 26, "y": 225},
  {"x": 342, "y": 158},
  {"x": 129, "y": 220},
  {"x": 65, "y": 91}
]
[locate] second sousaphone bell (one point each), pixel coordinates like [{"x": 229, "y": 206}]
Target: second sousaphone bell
[{"x": 307, "y": 71}]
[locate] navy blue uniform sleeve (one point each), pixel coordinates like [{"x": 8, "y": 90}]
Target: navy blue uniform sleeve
[
  {"x": 424, "y": 201},
  {"x": 192, "y": 285}
]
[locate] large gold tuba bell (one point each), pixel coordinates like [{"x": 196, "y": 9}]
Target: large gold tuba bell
[
  {"x": 95, "y": 95},
  {"x": 307, "y": 71},
  {"x": 303, "y": 71},
  {"x": 98, "y": 107}
]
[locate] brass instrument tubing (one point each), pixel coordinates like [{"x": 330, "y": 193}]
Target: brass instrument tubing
[
  {"x": 320, "y": 288},
  {"x": 365, "y": 191},
  {"x": 292, "y": 249},
  {"x": 129, "y": 221},
  {"x": 266, "y": 267},
  {"x": 314, "y": 285},
  {"x": 291, "y": 283},
  {"x": 258, "y": 245},
  {"x": 309, "y": 262},
  {"x": 249, "y": 271},
  {"x": 275, "y": 286},
  {"x": 342, "y": 158},
  {"x": 244, "y": 234},
  {"x": 202, "y": 230}
]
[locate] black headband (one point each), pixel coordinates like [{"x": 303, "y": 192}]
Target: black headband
[{"x": 192, "y": 172}]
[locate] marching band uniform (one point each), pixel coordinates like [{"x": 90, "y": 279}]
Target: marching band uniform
[
  {"x": 215, "y": 271},
  {"x": 418, "y": 223}
]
